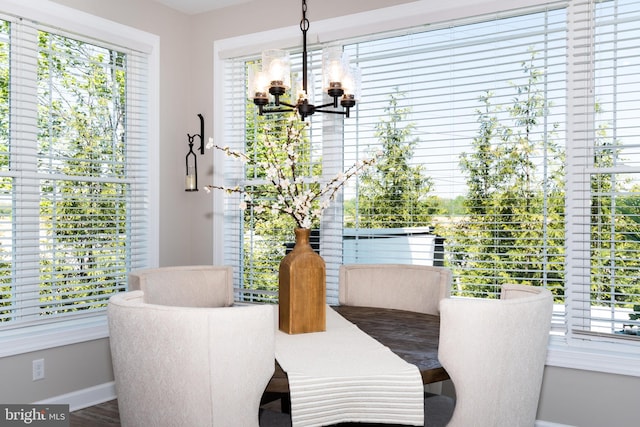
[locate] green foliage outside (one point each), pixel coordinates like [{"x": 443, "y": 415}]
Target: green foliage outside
[
  {"x": 503, "y": 236},
  {"x": 81, "y": 146},
  {"x": 6, "y": 205},
  {"x": 615, "y": 227},
  {"x": 394, "y": 193},
  {"x": 81, "y": 120}
]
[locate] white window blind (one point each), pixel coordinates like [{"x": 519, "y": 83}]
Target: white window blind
[
  {"x": 471, "y": 117},
  {"x": 604, "y": 251},
  {"x": 74, "y": 172},
  {"x": 480, "y": 108}
]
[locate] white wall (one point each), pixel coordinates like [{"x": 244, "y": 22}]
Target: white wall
[
  {"x": 68, "y": 370},
  {"x": 589, "y": 399},
  {"x": 572, "y": 397}
]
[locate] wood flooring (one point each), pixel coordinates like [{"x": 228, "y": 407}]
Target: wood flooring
[
  {"x": 102, "y": 415},
  {"x": 107, "y": 415}
]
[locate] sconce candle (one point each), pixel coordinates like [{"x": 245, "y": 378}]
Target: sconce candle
[{"x": 190, "y": 181}]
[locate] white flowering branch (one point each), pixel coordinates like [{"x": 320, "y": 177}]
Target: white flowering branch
[{"x": 304, "y": 198}]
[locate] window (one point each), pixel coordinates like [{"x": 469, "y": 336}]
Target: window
[
  {"x": 604, "y": 161},
  {"x": 511, "y": 157},
  {"x": 74, "y": 138}
]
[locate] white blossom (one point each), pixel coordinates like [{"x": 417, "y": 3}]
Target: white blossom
[
  {"x": 272, "y": 172},
  {"x": 306, "y": 223},
  {"x": 304, "y": 198}
]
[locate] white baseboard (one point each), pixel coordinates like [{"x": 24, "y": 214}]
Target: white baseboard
[
  {"x": 84, "y": 398},
  {"x": 540, "y": 423}
]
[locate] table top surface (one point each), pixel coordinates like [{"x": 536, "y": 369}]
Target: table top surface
[{"x": 412, "y": 336}]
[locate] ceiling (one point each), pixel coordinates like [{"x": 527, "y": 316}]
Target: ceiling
[{"x": 192, "y": 7}]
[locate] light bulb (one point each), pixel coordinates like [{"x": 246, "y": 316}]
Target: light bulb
[
  {"x": 335, "y": 72},
  {"x": 276, "y": 71},
  {"x": 333, "y": 69},
  {"x": 277, "y": 65}
]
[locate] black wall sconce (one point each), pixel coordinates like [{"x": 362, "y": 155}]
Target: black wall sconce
[{"x": 191, "y": 163}]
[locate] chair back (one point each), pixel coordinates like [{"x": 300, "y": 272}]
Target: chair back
[
  {"x": 417, "y": 288},
  {"x": 186, "y": 286},
  {"x": 185, "y": 366},
  {"x": 495, "y": 352}
]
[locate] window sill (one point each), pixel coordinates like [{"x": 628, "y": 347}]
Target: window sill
[
  {"x": 607, "y": 359},
  {"x": 41, "y": 337}
]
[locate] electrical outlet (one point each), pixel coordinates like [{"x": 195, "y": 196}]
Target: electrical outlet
[{"x": 38, "y": 369}]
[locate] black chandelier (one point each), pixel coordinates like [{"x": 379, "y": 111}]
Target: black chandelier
[{"x": 340, "y": 80}]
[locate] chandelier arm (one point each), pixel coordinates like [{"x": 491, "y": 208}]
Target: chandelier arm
[
  {"x": 288, "y": 105},
  {"x": 346, "y": 113},
  {"x": 278, "y": 110},
  {"x": 330, "y": 104}
]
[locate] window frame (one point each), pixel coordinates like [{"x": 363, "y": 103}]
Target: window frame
[
  {"x": 565, "y": 350},
  {"x": 53, "y": 334}
]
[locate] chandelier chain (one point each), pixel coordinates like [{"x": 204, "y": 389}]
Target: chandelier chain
[
  {"x": 304, "y": 23},
  {"x": 304, "y": 26}
]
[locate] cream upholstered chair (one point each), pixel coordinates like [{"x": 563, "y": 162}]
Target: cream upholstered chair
[
  {"x": 189, "y": 286},
  {"x": 417, "y": 288},
  {"x": 494, "y": 352},
  {"x": 189, "y": 366}
]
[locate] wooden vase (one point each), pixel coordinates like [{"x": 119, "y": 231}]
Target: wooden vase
[{"x": 302, "y": 291}]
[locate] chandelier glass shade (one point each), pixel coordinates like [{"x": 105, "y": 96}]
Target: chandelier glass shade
[{"x": 268, "y": 85}]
